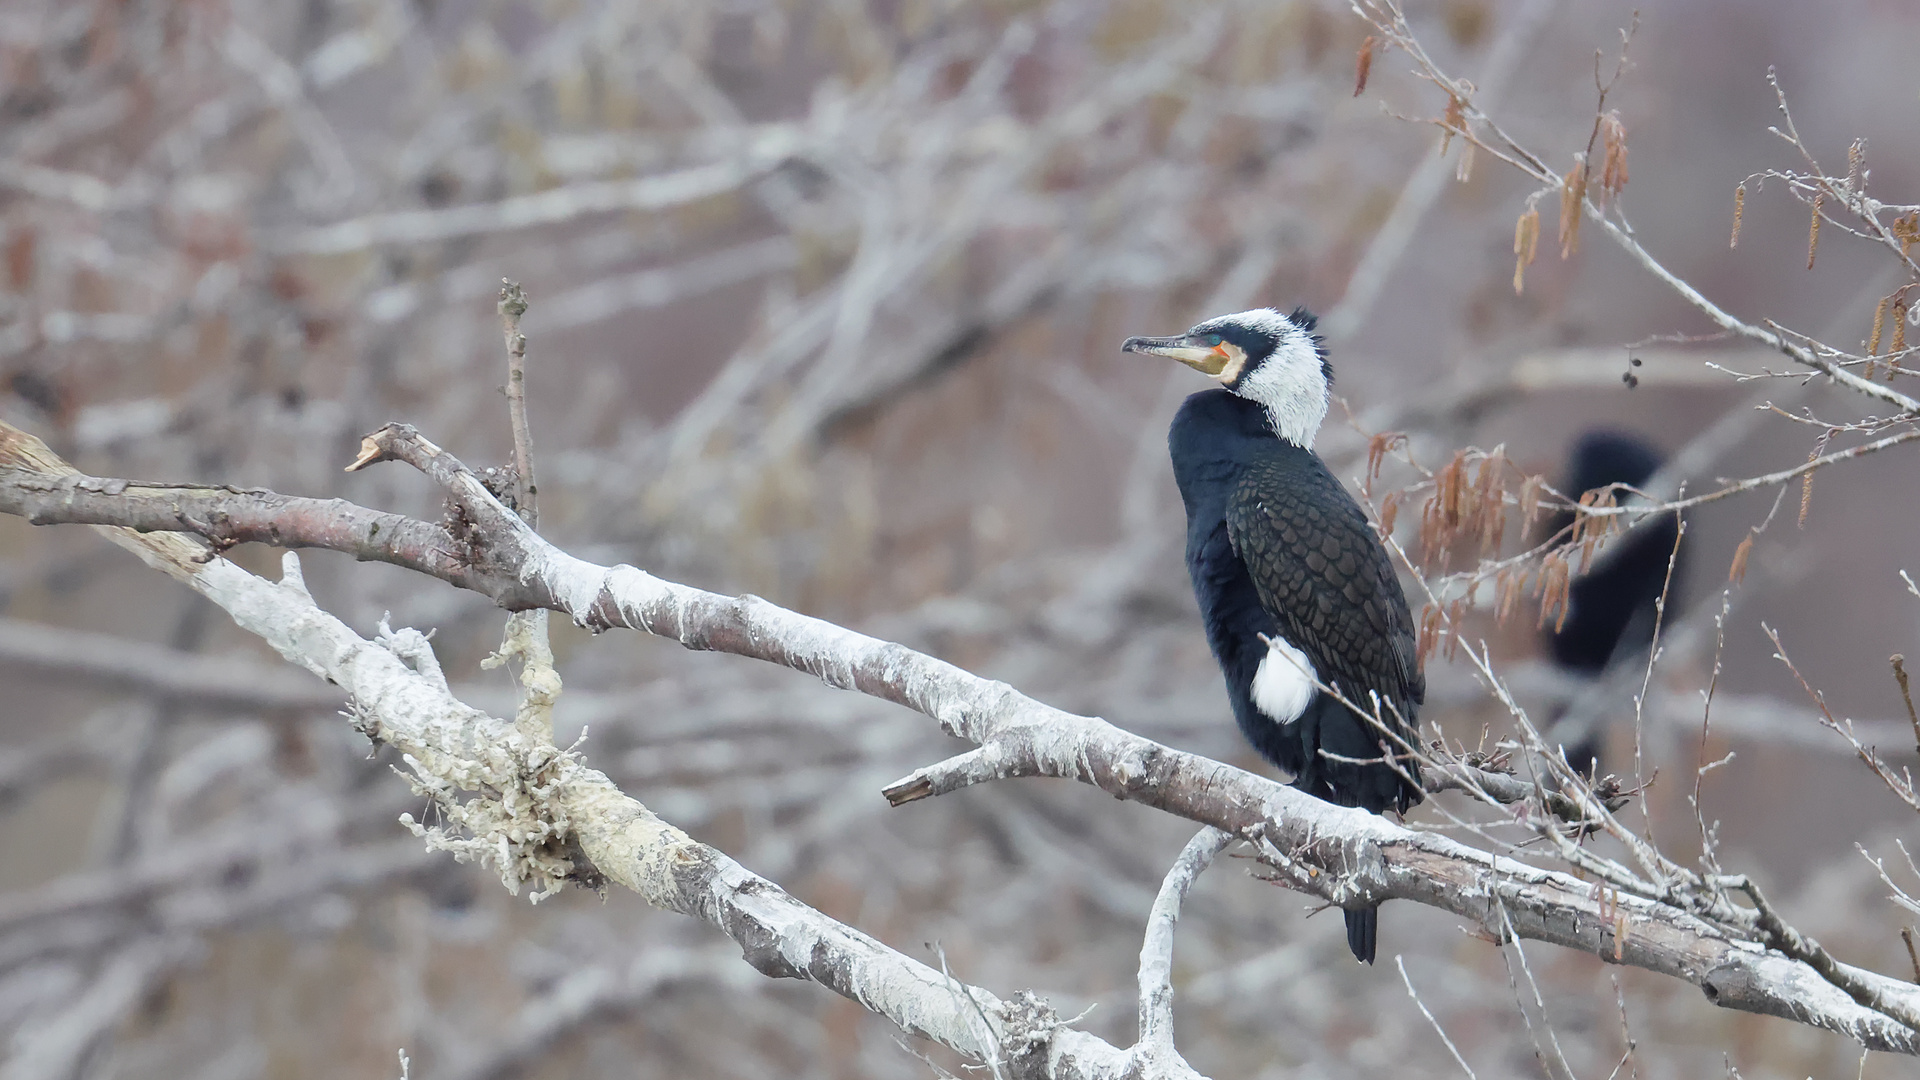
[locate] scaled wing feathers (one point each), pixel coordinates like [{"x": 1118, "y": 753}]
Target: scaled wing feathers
[{"x": 1324, "y": 577}]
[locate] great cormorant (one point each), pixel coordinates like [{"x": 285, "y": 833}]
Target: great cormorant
[
  {"x": 1295, "y": 590},
  {"x": 1610, "y": 608}
]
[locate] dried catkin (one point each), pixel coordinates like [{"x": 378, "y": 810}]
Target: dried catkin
[
  {"x": 1813, "y": 230},
  {"x": 1737, "y": 573},
  {"x": 1613, "y": 169},
  {"x": 1573, "y": 192},
  {"x": 1526, "y": 239}
]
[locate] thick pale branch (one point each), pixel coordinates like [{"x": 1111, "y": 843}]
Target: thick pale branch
[
  {"x": 1156, "y": 946},
  {"x": 1342, "y": 855},
  {"x": 621, "y": 840}
]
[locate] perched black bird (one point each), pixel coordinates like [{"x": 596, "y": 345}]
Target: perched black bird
[
  {"x": 1610, "y": 608},
  {"x": 1294, "y": 588}
]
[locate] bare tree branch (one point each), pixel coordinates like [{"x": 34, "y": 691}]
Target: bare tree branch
[
  {"x": 58, "y": 1051},
  {"x": 171, "y": 674},
  {"x": 561, "y": 204},
  {"x": 1156, "y": 949},
  {"x": 619, "y": 840},
  {"x": 1345, "y": 856},
  {"x": 584, "y": 996}
]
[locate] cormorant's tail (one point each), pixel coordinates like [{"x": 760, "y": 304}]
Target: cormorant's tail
[{"x": 1362, "y": 926}]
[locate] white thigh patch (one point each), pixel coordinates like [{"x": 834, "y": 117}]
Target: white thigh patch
[{"x": 1283, "y": 683}]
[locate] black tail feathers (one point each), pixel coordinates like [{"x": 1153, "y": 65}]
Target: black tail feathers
[{"x": 1362, "y": 927}]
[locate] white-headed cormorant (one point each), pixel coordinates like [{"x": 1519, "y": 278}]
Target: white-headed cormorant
[{"x": 1295, "y": 590}]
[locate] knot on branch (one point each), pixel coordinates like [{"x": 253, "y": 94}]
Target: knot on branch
[
  {"x": 502, "y": 482},
  {"x": 1029, "y": 1025},
  {"x": 502, "y": 809}
]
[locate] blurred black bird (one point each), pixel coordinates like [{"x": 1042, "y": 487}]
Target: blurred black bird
[
  {"x": 1610, "y": 608},
  {"x": 1295, "y": 590}
]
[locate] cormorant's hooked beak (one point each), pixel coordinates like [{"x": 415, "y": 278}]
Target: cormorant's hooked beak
[{"x": 1208, "y": 359}]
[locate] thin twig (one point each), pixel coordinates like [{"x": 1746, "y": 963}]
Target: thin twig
[
  {"x": 1386, "y": 16},
  {"x": 1626, "y": 1033},
  {"x": 1401, "y": 963},
  {"x": 1646, "y": 680},
  {"x": 1899, "y": 662},
  {"x": 513, "y": 304},
  {"x": 526, "y": 634}
]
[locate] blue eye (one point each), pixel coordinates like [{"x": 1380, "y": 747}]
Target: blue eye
[{"x": 1213, "y": 339}]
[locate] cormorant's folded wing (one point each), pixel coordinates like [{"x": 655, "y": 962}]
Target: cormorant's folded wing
[{"x": 1324, "y": 576}]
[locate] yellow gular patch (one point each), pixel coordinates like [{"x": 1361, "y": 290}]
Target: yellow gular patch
[{"x": 1236, "y": 362}]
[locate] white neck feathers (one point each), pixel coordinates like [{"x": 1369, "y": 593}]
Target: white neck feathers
[{"x": 1292, "y": 386}]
